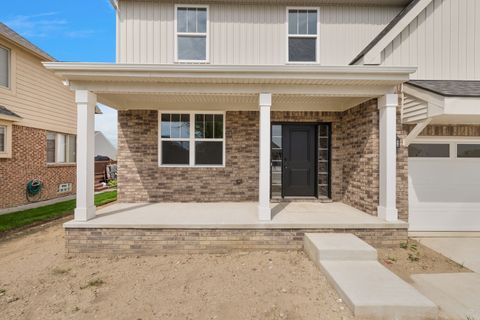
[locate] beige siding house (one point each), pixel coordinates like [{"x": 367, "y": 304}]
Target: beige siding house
[
  {"x": 37, "y": 125},
  {"x": 246, "y": 125}
]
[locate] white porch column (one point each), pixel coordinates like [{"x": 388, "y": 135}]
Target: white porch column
[
  {"x": 387, "y": 208},
  {"x": 86, "y": 102},
  {"x": 264, "y": 212}
]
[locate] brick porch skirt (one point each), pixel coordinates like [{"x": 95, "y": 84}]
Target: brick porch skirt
[{"x": 127, "y": 241}]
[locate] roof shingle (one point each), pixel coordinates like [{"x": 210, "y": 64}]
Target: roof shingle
[{"x": 449, "y": 88}]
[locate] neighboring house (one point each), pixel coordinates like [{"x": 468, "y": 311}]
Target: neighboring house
[
  {"x": 261, "y": 101},
  {"x": 37, "y": 125},
  {"x": 103, "y": 146}
]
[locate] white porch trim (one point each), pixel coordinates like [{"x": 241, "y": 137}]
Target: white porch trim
[
  {"x": 387, "y": 208},
  {"x": 416, "y": 131},
  {"x": 264, "y": 212},
  {"x": 86, "y": 102}
]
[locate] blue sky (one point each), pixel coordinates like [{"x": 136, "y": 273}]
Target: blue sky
[{"x": 69, "y": 30}]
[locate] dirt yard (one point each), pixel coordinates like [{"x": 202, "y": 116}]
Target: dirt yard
[
  {"x": 38, "y": 282},
  {"x": 412, "y": 257}
]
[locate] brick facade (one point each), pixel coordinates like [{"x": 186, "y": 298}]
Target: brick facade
[
  {"x": 354, "y": 159},
  {"x": 29, "y": 162},
  {"x": 100, "y": 241}
]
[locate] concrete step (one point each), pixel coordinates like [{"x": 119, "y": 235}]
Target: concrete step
[
  {"x": 372, "y": 291},
  {"x": 337, "y": 246},
  {"x": 369, "y": 289}
]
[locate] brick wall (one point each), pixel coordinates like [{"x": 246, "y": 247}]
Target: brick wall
[
  {"x": 29, "y": 162},
  {"x": 360, "y": 157},
  {"x": 354, "y": 159},
  {"x": 100, "y": 241},
  {"x": 141, "y": 180}
]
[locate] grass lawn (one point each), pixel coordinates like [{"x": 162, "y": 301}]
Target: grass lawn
[{"x": 23, "y": 218}]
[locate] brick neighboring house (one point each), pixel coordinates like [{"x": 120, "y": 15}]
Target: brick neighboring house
[
  {"x": 265, "y": 102},
  {"x": 37, "y": 125}
]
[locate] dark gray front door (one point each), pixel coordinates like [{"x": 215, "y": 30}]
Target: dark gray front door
[{"x": 298, "y": 160}]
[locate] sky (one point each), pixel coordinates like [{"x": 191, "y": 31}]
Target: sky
[{"x": 69, "y": 30}]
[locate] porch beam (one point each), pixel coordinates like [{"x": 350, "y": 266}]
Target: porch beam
[
  {"x": 314, "y": 89},
  {"x": 264, "y": 212},
  {"x": 416, "y": 131},
  {"x": 387, "y": 208},
  {"x": 86, "y": 102}
]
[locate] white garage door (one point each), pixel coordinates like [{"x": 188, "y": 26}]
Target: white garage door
[{"x": 444, "y": 185}]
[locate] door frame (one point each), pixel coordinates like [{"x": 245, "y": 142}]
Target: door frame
[{"x": 315, "y": 124}]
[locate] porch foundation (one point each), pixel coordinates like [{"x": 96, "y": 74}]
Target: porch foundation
[{"x": 127, "y": 241}]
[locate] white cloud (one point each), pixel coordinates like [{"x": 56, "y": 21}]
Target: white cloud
[{"x": 107, "y": 123}]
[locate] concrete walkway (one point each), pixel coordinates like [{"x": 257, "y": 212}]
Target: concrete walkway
[
  {"x": 464, "y": 251},
  {"x": 369, "y": 289},
  {"x": 457, "y": 294}
]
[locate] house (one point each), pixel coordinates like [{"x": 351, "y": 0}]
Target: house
[
  {"x": 245, "y": 125},
  {"x": 37, "y": 126},
  {"x": 103, "y": 146}
]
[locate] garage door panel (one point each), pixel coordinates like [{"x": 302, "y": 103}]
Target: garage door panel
[{"x": 444, "y": 194}]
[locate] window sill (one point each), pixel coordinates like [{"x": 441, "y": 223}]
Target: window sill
[
  {"x": 53, "y": 165},
  {"x": 191, "y": 167}
]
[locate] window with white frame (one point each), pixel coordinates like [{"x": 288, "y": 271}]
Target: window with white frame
[
  {"x": 192, "y": 33},
  {"x": 61, "y": 148},
  {"x": 192, "y": 139},
  {"x": 3, "y": 139},
  {"x": 302, "y": 35},
  {"x": 4, "y": 67}
]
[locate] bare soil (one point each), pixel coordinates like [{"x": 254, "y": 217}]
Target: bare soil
[
  {"x": 412, "y": 258},
  {"x": 37, "y": 281}
]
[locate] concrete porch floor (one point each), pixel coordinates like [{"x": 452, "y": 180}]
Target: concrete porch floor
[{"x": 233, "y": 215}]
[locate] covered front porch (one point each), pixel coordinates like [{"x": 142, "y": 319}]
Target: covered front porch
[{"x": 163, "y": 111}]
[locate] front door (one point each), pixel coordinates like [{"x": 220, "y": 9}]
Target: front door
[{"x": 299, "y": 160}]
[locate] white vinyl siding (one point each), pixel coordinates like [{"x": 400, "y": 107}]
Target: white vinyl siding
[
  {"x": 442, "y": 41},
  {"x": 4, "y": 67},
  {"x": 246, "y": 34}
]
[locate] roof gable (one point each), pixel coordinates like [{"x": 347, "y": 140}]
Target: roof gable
[{"x": 371, "y": 54}]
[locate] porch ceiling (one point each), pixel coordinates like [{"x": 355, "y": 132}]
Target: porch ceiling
[{"x": 294, "y": 87}]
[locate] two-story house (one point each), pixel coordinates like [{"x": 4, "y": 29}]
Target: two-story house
[
  {"x": 230, "y": 113},
  {"x": 37, "y": 126}
]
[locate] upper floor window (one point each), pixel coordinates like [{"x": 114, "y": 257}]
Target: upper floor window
[
  {"x": 302, "y": 35},
  {"x": 4, "y": 67},
  {"x": 192, "y": 33},
  {"x": 61, "y": 148}
]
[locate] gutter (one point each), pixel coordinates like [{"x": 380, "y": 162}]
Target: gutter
[{"x": 150, "y": 69}]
